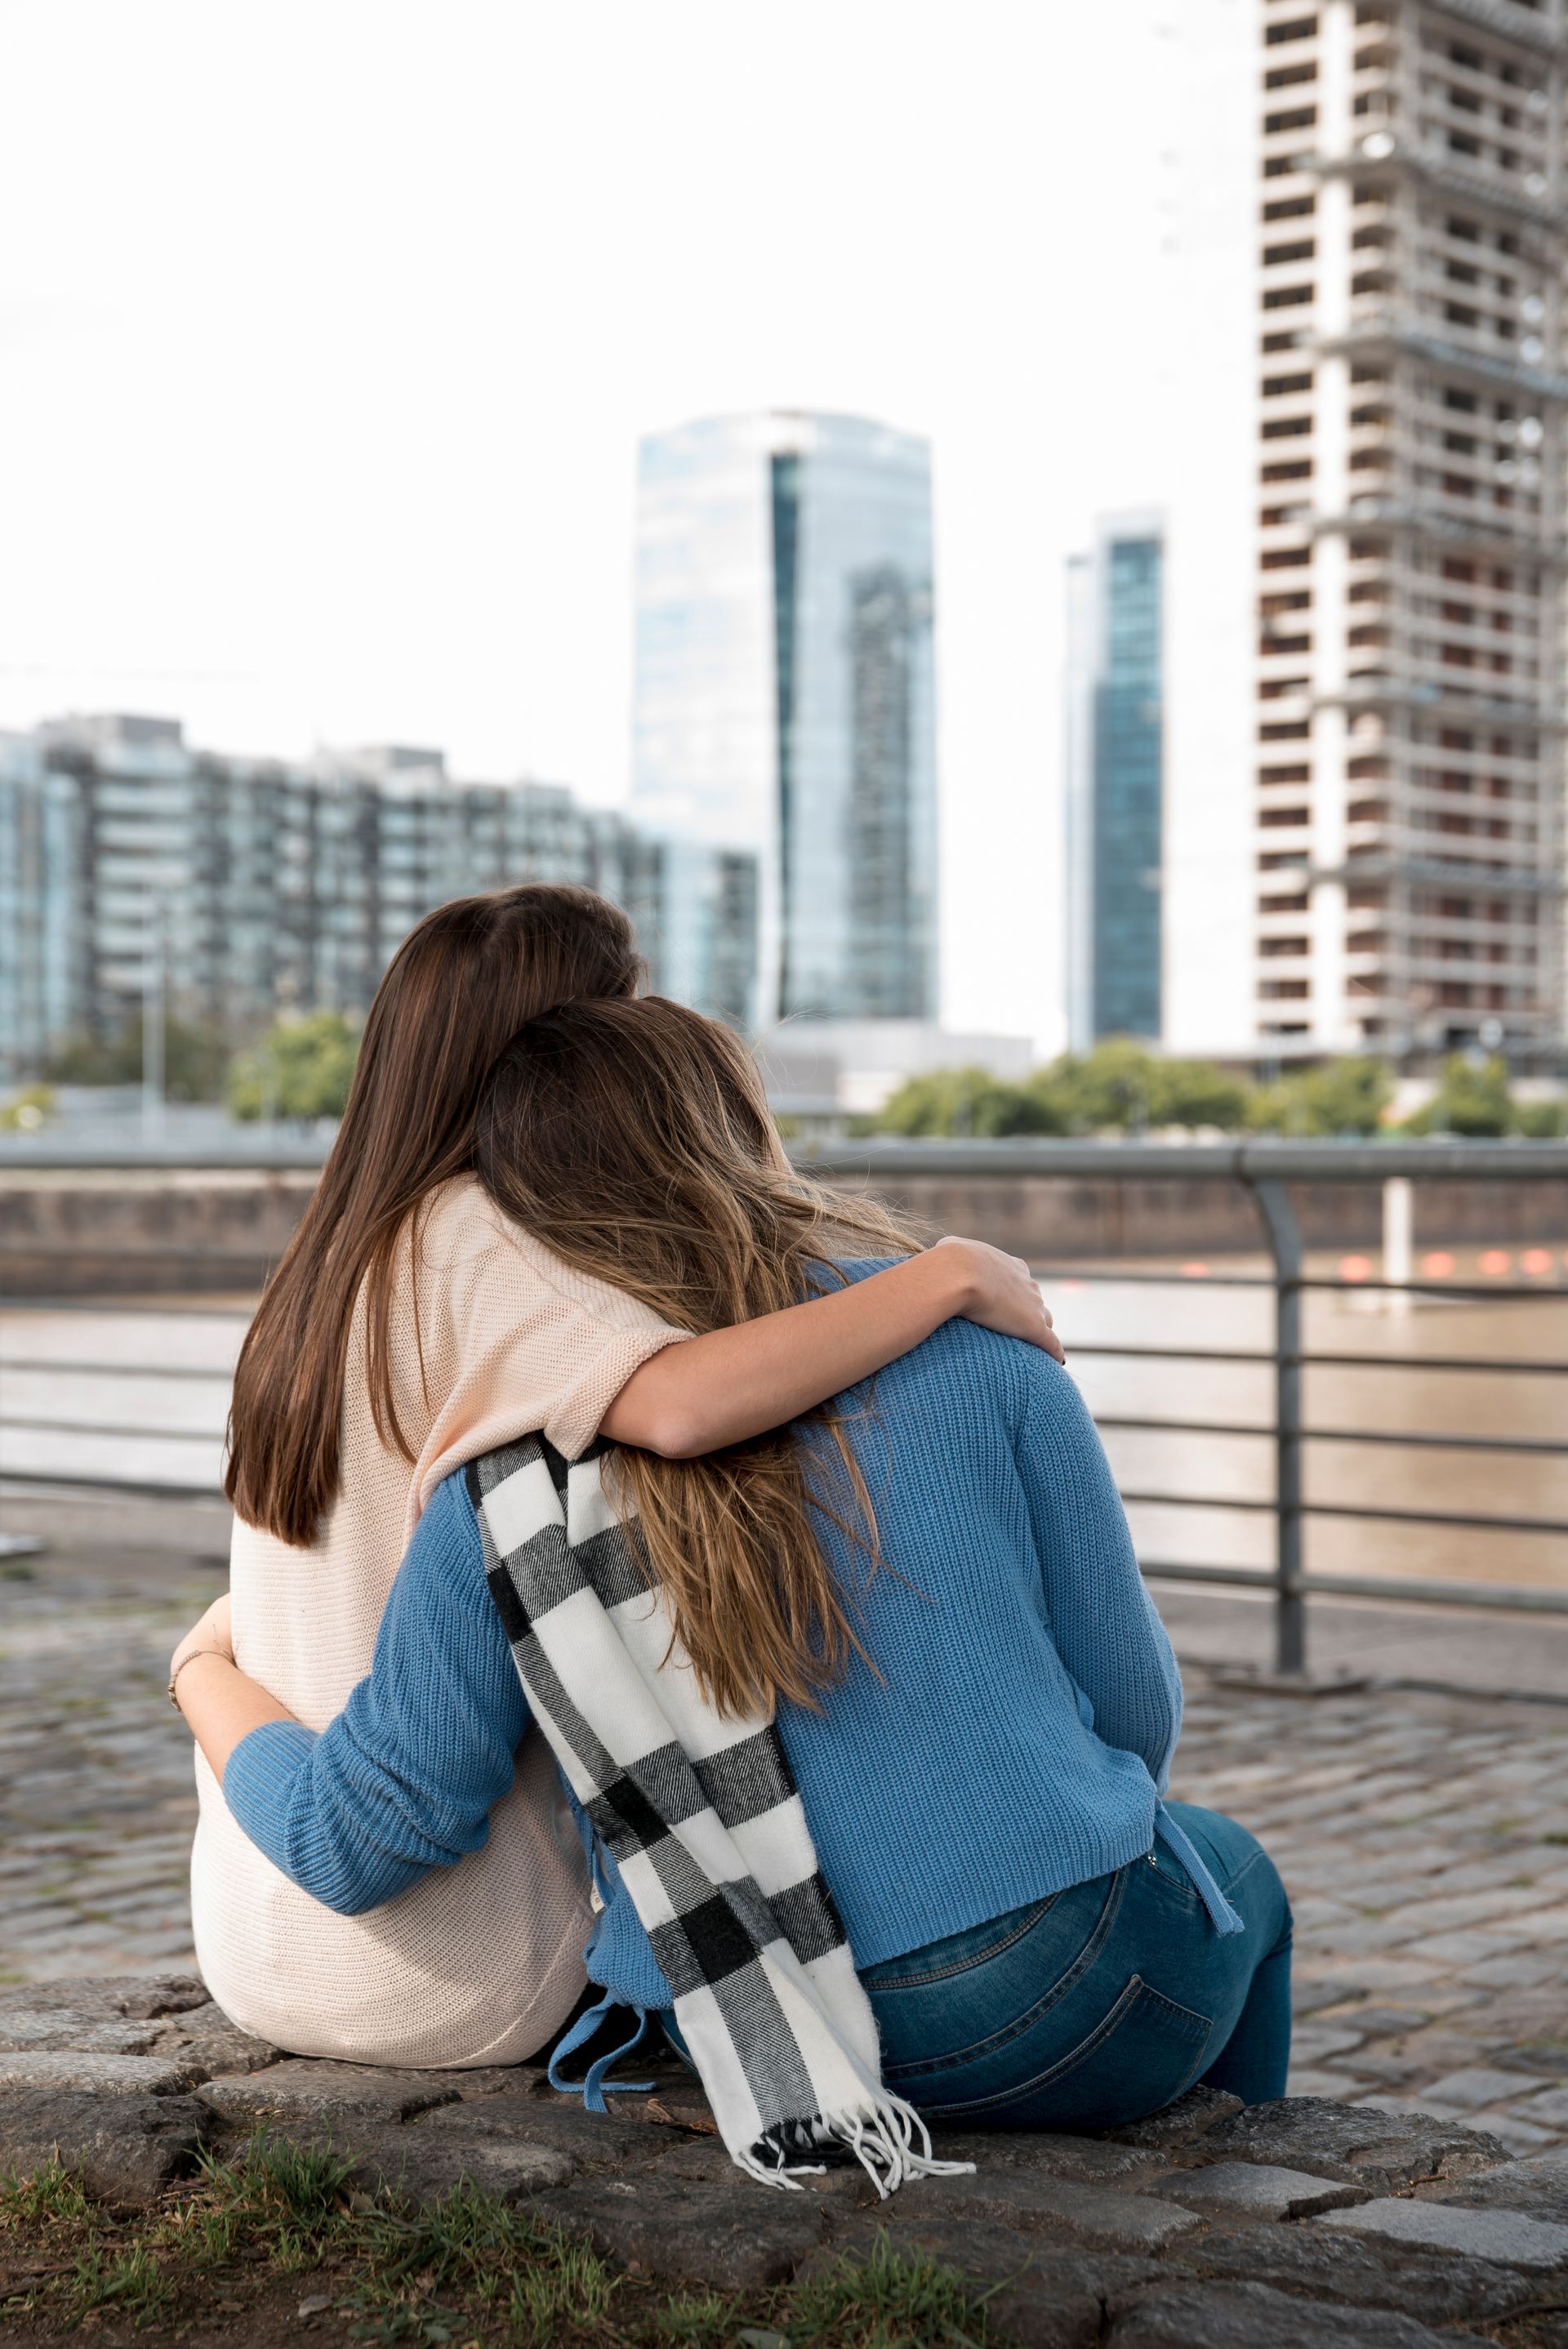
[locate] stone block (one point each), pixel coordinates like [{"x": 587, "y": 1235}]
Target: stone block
[
  {"x": 1308, "y": 1995},
  {"x": 1093, "y": 2159},
  {"x": 1254, "y": 2316},
  {"x": 1320, "y": 2043},
  {"x": 1551, "y": 2108},
  {"x": 154, "y": 1996},
  {"x": 1518, "y": 2137},
  {"x": 1439, "y": 2289},
  {"x": 303, "y": 2088},
  {"x": 208, "y": 2038},
  {"x": 1482, "y": 2084},
  {"x": 735, "y": 2239},
  {"x": 1183, "y": 2122},
  {"x": 126, "y": 2149},
  {"x": 1448, "y": 1950},
  {"x": 594, "y": 2140},
  {"x": 1050, "y": 2299},
  {"x": 1504, "y": 2237},
  {"x": 1322, "y": 2080},
  {"x": 87, "y": 2074},
  {"x": 504, "y": 2080},
  {"x": 1536, "y": 2187},
  {"x": 1067, "y": 2303},
  {"x": 105, "y": 1998},
  {"x": 55, "y": 2029},
  {"x": 1258, "y": 2189},
  {"x": 1098, "y": 2217},
  {"x": 1388, "y": 2022},
  {"x": 419, "y": 2165},
  {"x": 1356, "y": 2144},
  {"x": 704, "y": 2160}
]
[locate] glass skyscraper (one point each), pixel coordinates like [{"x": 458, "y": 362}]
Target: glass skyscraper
[
  {"x": 1116, "y": 782},
  {"x": 784, "y": 698}
]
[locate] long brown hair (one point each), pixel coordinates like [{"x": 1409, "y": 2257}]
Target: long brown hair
[
  {"x": 635, "y": 1140},
  {"x": 463, "y": 980}
]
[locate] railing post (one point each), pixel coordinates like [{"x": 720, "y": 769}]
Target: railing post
[
  {"x": 1290, "y": 1605},
  {"x": 1398, "y": 1236}
]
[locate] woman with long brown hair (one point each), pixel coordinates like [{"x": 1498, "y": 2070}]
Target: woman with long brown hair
[
  {"x": 926, "y": 1590},
  {"x": 413, "y": 1324}
]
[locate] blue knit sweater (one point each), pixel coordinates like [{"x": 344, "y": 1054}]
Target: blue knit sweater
[{"x": 1016, "y": 1741}]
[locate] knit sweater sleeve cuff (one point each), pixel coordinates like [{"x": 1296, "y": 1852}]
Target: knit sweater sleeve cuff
[
  {"x": 577, "y": 1409},
  {"x": 259, "y": 1778}
]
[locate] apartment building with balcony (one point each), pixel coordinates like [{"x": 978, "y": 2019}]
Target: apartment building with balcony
[
  {"x": 1409, "y": 702},
  {"x": 137, "y": 867}
]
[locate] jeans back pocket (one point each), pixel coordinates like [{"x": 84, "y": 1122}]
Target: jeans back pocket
[{"x": 1142, "y": 2054}]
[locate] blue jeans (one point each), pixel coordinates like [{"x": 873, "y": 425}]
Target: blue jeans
[{"x": 1101, "y": 2003}]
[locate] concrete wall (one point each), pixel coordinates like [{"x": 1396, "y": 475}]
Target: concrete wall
[
  {"x": 114, "y": 1232},
  {"x": 118, "y": 1233}
]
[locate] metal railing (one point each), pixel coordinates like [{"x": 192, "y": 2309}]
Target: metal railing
[{"x": 1267, "y": 1173}]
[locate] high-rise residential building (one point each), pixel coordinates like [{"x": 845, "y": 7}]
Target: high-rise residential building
[
  {"x": 1116, "y": 782},
  {"x": 1409, "y": 684},
  {"x": 784, "y": 698},
  {"x": 40, "y": 962},
  {"x": 135, "y": 867}
]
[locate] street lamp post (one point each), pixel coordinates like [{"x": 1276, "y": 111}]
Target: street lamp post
[{"x": 152, "y": 1023}]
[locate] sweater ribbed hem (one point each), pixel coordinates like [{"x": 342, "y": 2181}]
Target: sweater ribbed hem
[{"x": 1010, "y": 1878}]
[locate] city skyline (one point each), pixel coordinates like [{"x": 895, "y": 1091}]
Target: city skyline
[{"x": 346, "y": 451}]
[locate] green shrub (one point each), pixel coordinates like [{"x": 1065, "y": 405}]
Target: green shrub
[{"x": 301, "y": 1069}]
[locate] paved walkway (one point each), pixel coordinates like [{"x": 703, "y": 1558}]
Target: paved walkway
[{"x": 1424, "y": 1838}]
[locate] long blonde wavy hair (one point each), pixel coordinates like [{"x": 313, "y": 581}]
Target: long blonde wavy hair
[{"x": 634, "y": 1138}]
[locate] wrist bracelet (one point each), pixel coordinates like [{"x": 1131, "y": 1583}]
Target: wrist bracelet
[{"x": 180, "y": 1667}]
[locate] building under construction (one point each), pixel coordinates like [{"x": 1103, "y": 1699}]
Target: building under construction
[{"x": 1410, "y": 551}]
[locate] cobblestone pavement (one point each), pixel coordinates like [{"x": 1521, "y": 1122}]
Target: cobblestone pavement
[
  {"x": 1424, "y": 1840},
  {"x": 97, "y": 1798}
]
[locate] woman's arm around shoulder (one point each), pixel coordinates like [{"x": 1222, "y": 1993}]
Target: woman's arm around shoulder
[
  {"x": 730, "y": 1385},
  {"x": 1105, "y": 1625},
  {"x": 403, "y": 1780}
]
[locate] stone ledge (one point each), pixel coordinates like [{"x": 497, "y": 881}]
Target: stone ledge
[{"x": 1206, "y": 2224}]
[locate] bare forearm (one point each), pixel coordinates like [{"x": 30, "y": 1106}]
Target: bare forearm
[
  {"x": 222, "y": 1706},
  {"x": 729, "y": 1384}
]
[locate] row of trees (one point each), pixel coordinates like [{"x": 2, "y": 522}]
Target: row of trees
[
  {"x": 301, "y": 1069},
  {"x": 1120, "y": 1087}
]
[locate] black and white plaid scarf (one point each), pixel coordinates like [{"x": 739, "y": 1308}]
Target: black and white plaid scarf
[{"x": 704, "y": 1820}]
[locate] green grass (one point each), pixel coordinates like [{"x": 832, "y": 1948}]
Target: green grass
[
  {"x": 52, "y": 2195},
  {"x": 890, "y": 2300},
  {"x": 273, "y": 2186},
  {"x": 465, "y": 2269},
  {"x": 133, "y": 2285},
  {"x": 705, "y": 2321}
]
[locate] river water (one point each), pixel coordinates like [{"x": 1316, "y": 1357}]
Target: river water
[{"x": 136, "y": 1395}]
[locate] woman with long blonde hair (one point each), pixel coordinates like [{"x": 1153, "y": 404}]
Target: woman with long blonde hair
[{"x": 925, "y": 1586}]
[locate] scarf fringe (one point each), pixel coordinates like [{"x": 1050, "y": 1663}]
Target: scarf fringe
[{"x": 883, "y": 2140}]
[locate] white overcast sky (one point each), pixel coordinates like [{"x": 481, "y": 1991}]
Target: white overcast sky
[{"x": 327, "y": 331}]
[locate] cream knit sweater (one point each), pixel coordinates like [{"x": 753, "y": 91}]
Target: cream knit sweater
[{"x": 478, "y": 1963}]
